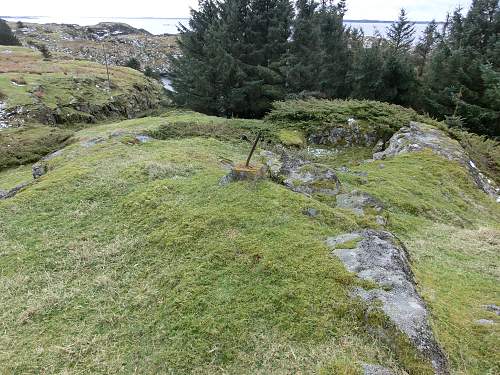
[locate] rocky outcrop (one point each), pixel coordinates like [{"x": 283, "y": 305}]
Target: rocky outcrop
[
  {"x": 5, "y": 194},
  {"x": 377, "y": 256},
  {"x": 348, "y": 135},
  {"x": 301, "y": 176},
  {"x": 359, "y": 202},
  {"x": 121, "y": 41},
  {"x": 418, "y": 137},
  {"x": 376, "y": 370}
]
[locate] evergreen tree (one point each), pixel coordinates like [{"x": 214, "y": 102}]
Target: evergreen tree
[
  {"x": 233, "y": 57},
  {"x": 425, "y": 45},
  {"x": 367, "y": 71},
  {"x": 304, "y": 57},
  {"x": 462, "y": 76},
  {"x": 335, "y": 54},
  {"x": 193, "y": 78},
  {"x": 7, "y": 38},
  {"x": 401, "y": 33}
]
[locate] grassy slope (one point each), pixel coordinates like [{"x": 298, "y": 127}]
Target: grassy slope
[
  {"x": 60, "y": 83},
  {"x": 133, "y": 259}
]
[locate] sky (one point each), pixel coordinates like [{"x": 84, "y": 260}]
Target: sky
[{"x": 418, "y": 10}]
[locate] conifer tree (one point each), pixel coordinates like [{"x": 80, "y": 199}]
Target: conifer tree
[
  {"x": 462, "y": 75},
  {"x": 7, "y": 38},
  {"x": 401, "y": 33},
  {"x": 303, "y": 61},
  {"x": 425, "y": 45},
  {"x": 335, "y": 55}
]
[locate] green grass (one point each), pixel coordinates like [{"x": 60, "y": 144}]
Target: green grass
[
  {"x": 127, "y": 270},
  {"x": 67, "y": 91},
  {"x": 132, "y": 258},
  {"x": 451, "y": 230},
  {"x": 24, "y": 145}
]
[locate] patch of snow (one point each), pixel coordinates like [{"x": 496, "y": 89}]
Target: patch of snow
[
  {"x": 472, "y": 164},
  {"x": 16, "y": 84}
]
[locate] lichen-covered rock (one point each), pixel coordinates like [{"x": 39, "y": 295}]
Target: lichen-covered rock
[
  {"x": 358, "y": 202},
  {"x": 309, "y": 178},
  {"x": 380, "y": 258},
  {"x": 376, "y": 370},
  {"x": 417, "y": 137},
  {"x": 41, "y": 168},
  {"x": 348, "y": 135}
]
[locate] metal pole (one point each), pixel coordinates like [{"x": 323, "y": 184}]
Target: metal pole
[{"x": 253, "y": 150}]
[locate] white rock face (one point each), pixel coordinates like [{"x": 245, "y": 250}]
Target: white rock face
[
  {"x": 379, "y": 257},
  {"x": 417, "y": 137}
]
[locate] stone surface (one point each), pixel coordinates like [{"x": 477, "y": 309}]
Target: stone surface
[
  {"x": 379, "y": 257},
  {"x": 492, "y": 308},
  {"x": 485, "y": 322},
  {"x": 348, "y": 135},
  {"x": 376, "y": 370},
  {"x": 40, "y": 168},
  {"x": 299, "y": 175},
  {"x": 358, "y": 202},
  {"x": 12, "y": 192},
  {"x": 311, "y": 212},
  {"x": 417, "y": 137}
]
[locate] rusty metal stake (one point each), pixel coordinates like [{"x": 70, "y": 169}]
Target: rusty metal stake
[{"x": 253, "y": 150}]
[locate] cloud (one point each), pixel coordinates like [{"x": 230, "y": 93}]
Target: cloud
[
  {"x": 358, "y": 9},
  {"x": 389, "y": 9}
]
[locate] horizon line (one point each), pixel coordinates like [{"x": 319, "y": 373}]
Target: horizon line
[{"x": 187, "y": 18}]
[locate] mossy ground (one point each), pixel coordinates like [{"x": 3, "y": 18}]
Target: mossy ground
[
  {"x": 132, "y": 258},
  {"x": 71, "y": 88}
]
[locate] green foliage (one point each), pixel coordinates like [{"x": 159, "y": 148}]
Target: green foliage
[
  {"x": 231, "y": 57},
  {"x": 148, "y": 72},
  {"x": 7, "y": 38},
  {"x": 29, "y": 144},
  {"x": 462, "y": 76},
  {"x": 133, "y": 63},
  {"x": 401, "y": 33},
  {"x": 314, "y": 114},
  {"x": 44, "y": 50}
]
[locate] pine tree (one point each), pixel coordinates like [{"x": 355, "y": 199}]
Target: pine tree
[
  {"x": 7, "y": 38},
  {"x": 192, "y": 76},
  {"x": 367, "y": 71},
  {"x": 401, "y": 33},
  {"x": 335, "y": 54},
  {"x": 462, "y": 76},
  {"x": 304, "y": 56},
  {"x": 425, "y": 45}
]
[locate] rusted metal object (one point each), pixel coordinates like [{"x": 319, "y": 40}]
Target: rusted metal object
[{"x": 253, "y": 150}]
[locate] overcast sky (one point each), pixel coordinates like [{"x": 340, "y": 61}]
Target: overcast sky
[{"x": 358, "y": 9}]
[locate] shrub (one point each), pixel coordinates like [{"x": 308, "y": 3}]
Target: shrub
[
  {"x": 148, "y": 72},
  {"x": 44, "y": 50},
  {"x": 7, "y": 38},
  {"x": 133, "y": 63}
]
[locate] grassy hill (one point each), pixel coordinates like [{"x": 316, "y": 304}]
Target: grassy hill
[
  {"x": 44, "y": 100},
  {"x": 130, "y": 257}
]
